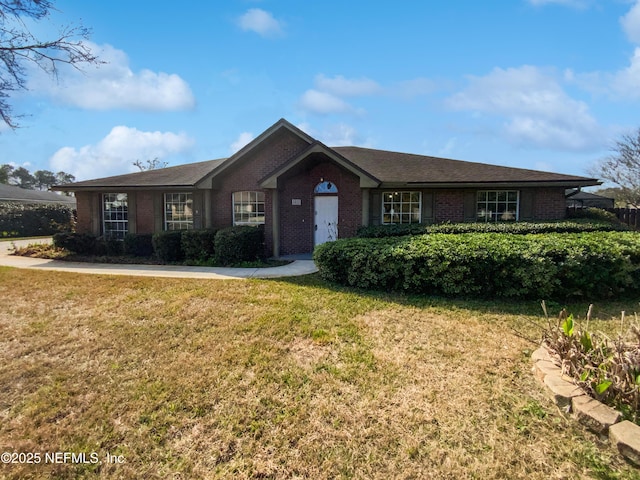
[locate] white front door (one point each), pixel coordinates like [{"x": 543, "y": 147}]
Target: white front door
[{"x": 326, "y": 219}]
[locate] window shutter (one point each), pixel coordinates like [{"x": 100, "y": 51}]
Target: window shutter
[
  {"x": 527, "y": 198},
  {"x": 470, "y": 213},
  {"x": 375, "y": 208},
  {"x": 427, "y": 207}
]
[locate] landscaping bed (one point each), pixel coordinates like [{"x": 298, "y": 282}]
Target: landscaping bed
[{"x": 230, "y": 247}]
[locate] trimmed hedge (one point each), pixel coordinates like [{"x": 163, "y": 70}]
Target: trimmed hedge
[
  {"x": 588, "y": 265},
  {"x": 198, "y": 245},
  {"x": 239, "y": 244},
  {"x": 138, "y": 244},
  {"x": 521, "y": 228},
  {"x": 167, "y": 246},
  {"x": 28, "y": 220},
  {"x": 81, "y": 243}
]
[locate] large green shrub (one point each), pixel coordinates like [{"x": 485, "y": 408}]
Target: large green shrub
[
  {"x": 239, "y": 244},
  {"x": 167, "y": 246},
  {"x": 25, "y": 220},
  {"x": 602, "y": 223},
  {"x": 198, "y": 244},
  {"x": 489, "y": 265}
]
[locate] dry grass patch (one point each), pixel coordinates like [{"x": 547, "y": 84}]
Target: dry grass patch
[{"x": 274, "y": 379}]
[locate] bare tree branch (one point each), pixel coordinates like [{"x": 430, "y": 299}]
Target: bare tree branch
[
  {"x": 19, "y": 47},
  {"x": 622, "y": 167}
]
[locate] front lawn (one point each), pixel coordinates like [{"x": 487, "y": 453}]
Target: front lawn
[{"x": 279, "y": 379}]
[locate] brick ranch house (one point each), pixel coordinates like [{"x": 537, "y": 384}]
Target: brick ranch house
[{"x": 305, "y": 193}]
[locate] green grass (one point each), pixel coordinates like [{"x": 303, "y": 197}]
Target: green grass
[{"x": 279, "y": 379}]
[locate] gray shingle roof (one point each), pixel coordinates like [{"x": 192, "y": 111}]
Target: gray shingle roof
[
  {"x": 179, "y": 176},
  {"x": 395, "y": 167},
  {"x": 391, "y": 168},
  {"x": 11, "y": 193}
]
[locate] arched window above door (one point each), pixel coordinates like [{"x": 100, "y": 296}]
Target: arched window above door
[{"x": 326, "y": 187}]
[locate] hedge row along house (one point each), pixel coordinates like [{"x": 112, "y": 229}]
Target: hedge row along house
[{"x": 305, "y": 193}]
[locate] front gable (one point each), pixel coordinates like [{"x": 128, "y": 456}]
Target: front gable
[
  {"x": 269, "y": 151},
  {"x": 314, "y": 152}
]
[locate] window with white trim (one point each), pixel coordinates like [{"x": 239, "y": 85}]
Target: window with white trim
[
  {"x": 178, "y": 211},
  {"x": 115, "y": 215},
  {"x": 401, "y": 207},
  {"x": 498, "y": 205},
  {"x": 248, "y": 208}
]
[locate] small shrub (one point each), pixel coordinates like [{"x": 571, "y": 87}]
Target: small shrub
[
  {"x": 239, "y": 244},
  {"x": 198, "y": 245},
  {"x": 80, "y": 243},
  {"x": 109, "y": 247},
  {"x": 138, "y": 245},
  {"x": 167, "y": 246},
  {"x": 595, "y": 214}
]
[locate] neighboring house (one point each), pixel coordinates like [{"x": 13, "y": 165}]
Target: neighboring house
[
  {"x": 305, "y": 193},
  {"x": 13, "y": 194},
  {"x": 578, "y": 199}
]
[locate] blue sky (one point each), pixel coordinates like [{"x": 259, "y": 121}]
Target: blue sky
[{"x": 541, "y": 84}]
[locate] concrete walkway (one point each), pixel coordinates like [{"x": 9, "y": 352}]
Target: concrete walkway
[{"x": 295, "y": 268}]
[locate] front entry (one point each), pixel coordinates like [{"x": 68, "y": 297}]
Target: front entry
[{"x": 326, "y": 219}]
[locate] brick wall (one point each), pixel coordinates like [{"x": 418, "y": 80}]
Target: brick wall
[
  {"x": 449, "y": 206},
  {"x": 297, "y": 222},
  {"x": 144, "y": 212},
  {"x": 549, "y": 204},
  {"x": 85, "y": 214}
]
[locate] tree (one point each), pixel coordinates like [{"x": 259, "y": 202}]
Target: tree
[
  {"x": 63, "y": 178},
  {"x": 152, "y": 164},
  {"x": 22, "y": 178},
  {"x": 41, "y": 179},
  {"x": 44, "y": 179},
  {"x": 19, "y": 47},
  {"x": 622, "y": 168},
  {"x": 6, "y": 171}
]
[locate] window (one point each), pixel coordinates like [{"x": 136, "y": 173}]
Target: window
[
  {"x": 326, "y": 187},
  {"x": 115, "y": 222},
  {"x": 401, "y": 207},
  {"x": 248, "y": 208},
  {"x": 498, "y": 205},
  {"x": 178, "y": 211}
]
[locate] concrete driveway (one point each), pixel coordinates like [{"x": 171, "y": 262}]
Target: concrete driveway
[{"x": 295, "y": 268}]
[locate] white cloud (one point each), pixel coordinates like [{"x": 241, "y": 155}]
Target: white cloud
[
  {"x": 327, "y": 98},
  {"x": 621, "y": 85},
  {"x": 329, "y": 93},
  {"x": 261, "y": 22},
  {"x": 413, "y": 88},
  {"x": 113, "y": 85},
  {"x": 344, "y": 87},
  {"x": 631, "y": 23},
  {"x": 115, "y": 154},
  {"x": 536, "y": 110},
  {"x": 340, "y": 135},
  {"x": 243, "y": 139},
  {"x": 315, "y": 101},
  {"x": 626, "y": 83}
]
